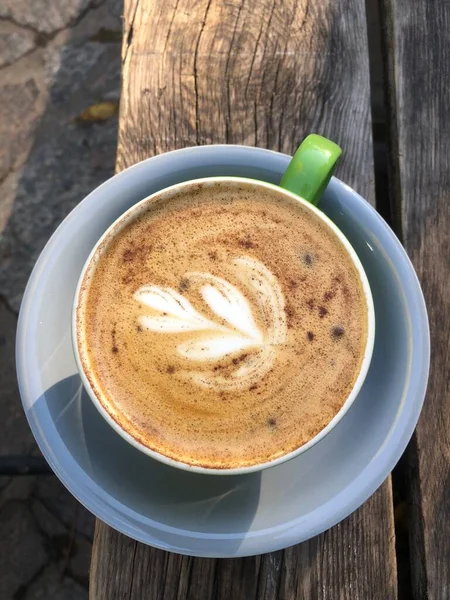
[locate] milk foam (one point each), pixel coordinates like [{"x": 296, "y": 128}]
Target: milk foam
[
  {"x": 233, "y": 331},
  {"x": 224, "y": 326}
]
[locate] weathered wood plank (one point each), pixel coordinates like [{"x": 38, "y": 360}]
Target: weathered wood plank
[
  {"x": 345, "y": 563},
  {"x": 261, "y": 73},
  {"x": 417, "y": 46},
  {"x": 264, "y": 73}
]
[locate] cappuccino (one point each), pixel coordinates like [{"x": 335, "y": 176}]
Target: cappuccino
[{"x": 223, "y": 326}]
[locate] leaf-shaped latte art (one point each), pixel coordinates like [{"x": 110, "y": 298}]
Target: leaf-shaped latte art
[
  {"x": 234, "y": 331},
  {"x": 213, "y": 348},
  {"x": 227, "y": 302},
  {"x": 178, "y": 314},
  {"x": 244, "y": 376},
  {"x": 269, "y": 294}
]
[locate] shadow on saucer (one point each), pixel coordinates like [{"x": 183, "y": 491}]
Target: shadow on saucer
[{"x": 171, "y": 498}]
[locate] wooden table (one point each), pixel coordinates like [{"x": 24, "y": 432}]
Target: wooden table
[{"x": 266, "y": 73}]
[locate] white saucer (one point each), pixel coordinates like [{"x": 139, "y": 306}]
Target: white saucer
[{"x": 230, "y": 515}]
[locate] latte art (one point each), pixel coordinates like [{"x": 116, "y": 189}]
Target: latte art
[
  {"x": 234, "y": 329},
  {"x": 224, "y": 325}
]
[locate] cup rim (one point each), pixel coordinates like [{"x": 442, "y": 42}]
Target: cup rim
[{"x": 165, "y": 194}]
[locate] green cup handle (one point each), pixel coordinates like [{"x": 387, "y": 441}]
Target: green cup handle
[{"x": 311, "y": 168}]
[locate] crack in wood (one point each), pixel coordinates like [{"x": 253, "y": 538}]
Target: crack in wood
[
  {"x": 169, "y": 29},
  {"x": 227, "y": 74},
  {"x": 133, "y": 575},
  {"x": 129, "y": 37},
  {"x": 197, "y": 111}
]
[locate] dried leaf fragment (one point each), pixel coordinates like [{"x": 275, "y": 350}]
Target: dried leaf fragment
[{"x": 102, "y": 111}]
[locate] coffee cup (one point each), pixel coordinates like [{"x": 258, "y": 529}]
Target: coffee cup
[{"x": 215, "y": 337}]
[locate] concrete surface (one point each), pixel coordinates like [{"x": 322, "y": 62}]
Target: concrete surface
[{"x": 57, "y": 57}]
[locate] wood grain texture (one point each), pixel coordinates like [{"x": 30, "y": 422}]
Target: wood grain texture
[
  {"x": 353, "y": 561},
  {"x": 418, "y": 55},
  {"x": 265, "y": 73},
  {"x": 261, "y": 73}
]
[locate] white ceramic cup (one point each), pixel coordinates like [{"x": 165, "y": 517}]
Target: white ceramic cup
[{"x": 79, "y": 342}]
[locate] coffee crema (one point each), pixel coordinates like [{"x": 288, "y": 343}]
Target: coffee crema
[{"x": 224, "y": 326}]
